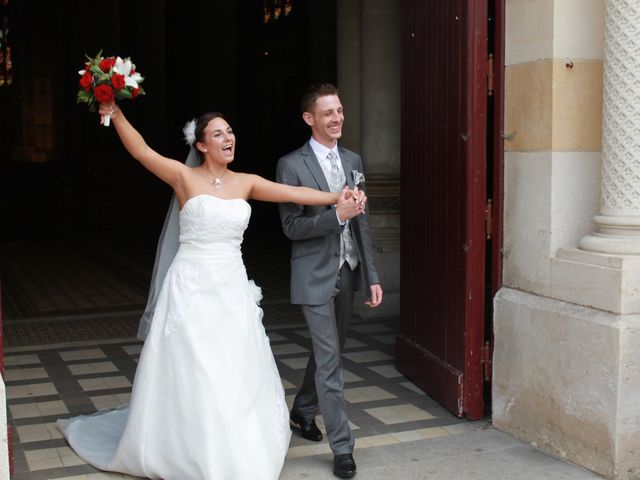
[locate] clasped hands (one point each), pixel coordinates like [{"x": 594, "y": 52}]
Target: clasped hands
[{"x": 350, "y": 203}]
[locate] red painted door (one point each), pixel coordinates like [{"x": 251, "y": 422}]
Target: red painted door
[{"x": 444, "y": 193}]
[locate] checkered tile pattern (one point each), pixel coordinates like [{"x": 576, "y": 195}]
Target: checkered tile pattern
[
  {"x": 49, "y": 382},
  {"x": 88, "y": 278},
  {"x": 60, "y": 278}
]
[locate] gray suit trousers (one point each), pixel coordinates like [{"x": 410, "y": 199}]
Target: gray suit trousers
[{"x": 323, "y": 384}]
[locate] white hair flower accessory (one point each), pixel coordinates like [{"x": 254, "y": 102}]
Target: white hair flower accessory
[{"x": 189, "y": 131}]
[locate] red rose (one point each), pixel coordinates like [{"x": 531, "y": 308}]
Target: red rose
[
  {"x": 107, "y": 63},
  {"x": 103, "y": 93},
  {"x": 117, "y": 81},
  {"x": 134, "y": 92},
  {"x": 85, "y": 80}
]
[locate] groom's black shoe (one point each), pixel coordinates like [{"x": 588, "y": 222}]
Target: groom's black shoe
[
  {"x": 344, "y": 466},
  {"x": 308, "y": 428}
]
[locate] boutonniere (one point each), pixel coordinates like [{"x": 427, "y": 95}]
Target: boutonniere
[{"x": 358, "y": 177}]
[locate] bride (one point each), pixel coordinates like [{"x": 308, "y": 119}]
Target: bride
[{"x": 207, "y": 401}]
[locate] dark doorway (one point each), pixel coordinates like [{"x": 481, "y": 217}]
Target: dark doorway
[{"x": 72, "y": 202}]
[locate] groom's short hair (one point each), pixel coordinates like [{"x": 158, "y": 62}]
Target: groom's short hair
[{"x": 314, "y": 92}]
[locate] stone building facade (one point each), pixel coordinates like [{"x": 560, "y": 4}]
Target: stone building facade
[
  {"x": 566, "y": 321},
  {"x": 566, "y": 324}
]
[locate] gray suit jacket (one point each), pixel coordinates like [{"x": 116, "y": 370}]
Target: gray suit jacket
[{"x": 315, "y": 230}]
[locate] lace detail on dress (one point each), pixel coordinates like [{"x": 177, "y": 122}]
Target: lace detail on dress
[
  {"x": 229, "y": 222},
  {"x": 282, "y": 417},
  {"x": 182, "y": 280}
]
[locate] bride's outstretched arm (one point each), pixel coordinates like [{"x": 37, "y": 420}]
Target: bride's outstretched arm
[
  {"x": 168, "y": 170},
  {"x": 265, "y": 190}
]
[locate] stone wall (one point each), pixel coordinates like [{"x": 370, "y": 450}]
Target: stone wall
[{"x": 567, "y": 346}]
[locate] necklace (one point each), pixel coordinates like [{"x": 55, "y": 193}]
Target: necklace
[{"x": 216, "y": 182}]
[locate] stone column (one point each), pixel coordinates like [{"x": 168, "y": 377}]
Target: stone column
[
  {"x": 348, "y": 59},
  {"x": 369, "y": 80},
  {"x": 618, "y": 225},
  {"x": 381, "y": 86}
]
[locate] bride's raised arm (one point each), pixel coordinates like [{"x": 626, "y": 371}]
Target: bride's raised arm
[{"x": 166, "y": 169}]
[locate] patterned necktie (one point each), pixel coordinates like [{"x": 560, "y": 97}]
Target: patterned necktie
[{"x": 336, "y": 175}]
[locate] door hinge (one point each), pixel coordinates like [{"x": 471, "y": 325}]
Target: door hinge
[
  {"x": 490, "y": 75},
  {"x": 488, "y": 219},
  {"x": 487, "y": 361}
]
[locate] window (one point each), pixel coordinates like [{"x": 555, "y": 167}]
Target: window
[
  {"x": 6, "y": 66},
  {"x": 275, "y": 9}
]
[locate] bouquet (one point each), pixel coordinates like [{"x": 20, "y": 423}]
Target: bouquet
[{"x": 105, "y": 79}]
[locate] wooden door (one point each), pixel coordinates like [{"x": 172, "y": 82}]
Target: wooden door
[{"x": 444, "y": 126}]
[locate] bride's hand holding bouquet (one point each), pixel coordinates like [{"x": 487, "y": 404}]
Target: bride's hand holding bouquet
[
  {"x": 106, "y": 79},
  {"x": 107, "y": 110}
]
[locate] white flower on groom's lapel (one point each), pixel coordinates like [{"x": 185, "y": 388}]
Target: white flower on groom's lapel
[{"x": 358, "y": 177}]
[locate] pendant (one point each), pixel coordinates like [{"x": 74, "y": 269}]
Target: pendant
[{"x": 216, "y": 182}]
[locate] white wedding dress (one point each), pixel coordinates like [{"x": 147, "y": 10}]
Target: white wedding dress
[{"x": 207, "y": 400}]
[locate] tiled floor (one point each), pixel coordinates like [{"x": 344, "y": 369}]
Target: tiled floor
[
  {"x": 90, "y": 279},
  {"x": 45, "y": 383},
  {"x": 70, "y": 289},
  {"x": 69, "y": 277},
  {"x": 71, "y": 313},
  {"x": 88, "y": 289}
]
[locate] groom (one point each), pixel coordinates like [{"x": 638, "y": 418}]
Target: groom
[{"x": 331, "y": 255}]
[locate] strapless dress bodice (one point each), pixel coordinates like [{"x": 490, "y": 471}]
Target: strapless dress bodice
[{"x": 211, "y": 226}]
